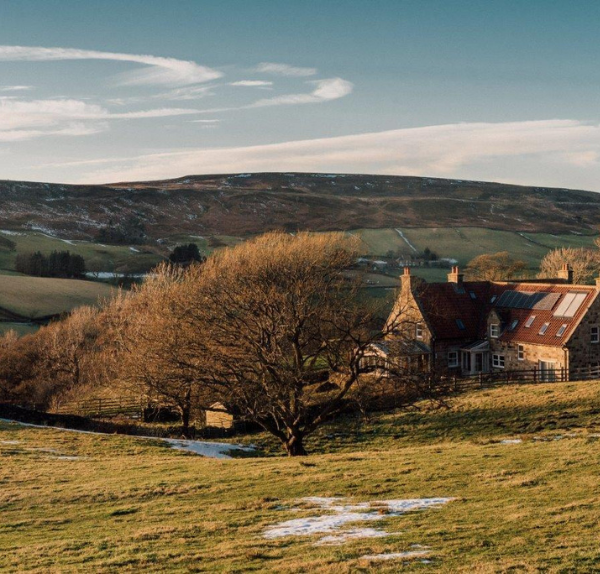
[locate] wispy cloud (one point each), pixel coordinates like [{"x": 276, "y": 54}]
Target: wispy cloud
[
  {"x": 284, "y": 70},
  {"x": 325, "y": 90},
  {"x": 251, "y": 83},
  {"x": 158, "y": 70},
  {"x": 444, "y": 151},
  {"x": 22, "y": 120},
  {"x": 15, "y": 88}
]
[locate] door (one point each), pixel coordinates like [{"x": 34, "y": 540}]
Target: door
[
  {"x": 547, "y": 371},
  {"x": 478, "y": 362}
]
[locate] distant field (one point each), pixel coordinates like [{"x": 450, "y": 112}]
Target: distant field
[
  {"x": 97, "y": 257},
  {"x": 464, "y": 243},
  {"x": 519, "y": 463},
  {"x": 39, "y": 296}
]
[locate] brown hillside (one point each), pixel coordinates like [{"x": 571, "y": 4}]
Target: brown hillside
[{"x": 252, "y": 203}]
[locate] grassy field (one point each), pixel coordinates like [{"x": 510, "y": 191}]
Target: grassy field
[
  {"x": 82, "y": 502},
  {"x": 464, "y": 243},
  {"x": 40, "y": 296},
  {"x": 97, "y": 257}
]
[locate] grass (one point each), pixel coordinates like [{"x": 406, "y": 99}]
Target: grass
[
  {"x": 118, "y": 258},
  {"x": 40, "y": 296},
  {"x": 132, "y": 504},
  {"x": 464, "y": 243}
]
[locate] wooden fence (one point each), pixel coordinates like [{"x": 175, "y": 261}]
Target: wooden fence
[
  {"x": 496, "y": 378},
  {"x": 103, "y": 407}
]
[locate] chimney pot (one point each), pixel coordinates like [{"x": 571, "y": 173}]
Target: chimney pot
[{"x": 566, "y": 273}]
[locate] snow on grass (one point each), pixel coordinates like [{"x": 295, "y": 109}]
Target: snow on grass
[
  {"x": 336, "y": 539},
  {"x": 511, "y": 441},
  {"x": 339, "y": 513},
  {"x": 208, "y": 449},
  {"x": 399, "y": 232},
  {"x": 409, "y": 555},
  {"x": 134, "y": 250}
]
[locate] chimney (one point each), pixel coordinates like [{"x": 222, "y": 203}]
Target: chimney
[
  {"x": 455, "y": 276},
  {"x": 566, "y": 273}
]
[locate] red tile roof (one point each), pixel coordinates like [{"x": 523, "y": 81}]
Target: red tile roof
[
  {"x": 523, "y": 334},
  {"x": 444, "y": 305}
]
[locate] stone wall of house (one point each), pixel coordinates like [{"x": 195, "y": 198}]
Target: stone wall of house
[
  {"x": 582, "y": 352},
  {"x": 532, "y": 355},
  {"x": 406, "y": 313}
]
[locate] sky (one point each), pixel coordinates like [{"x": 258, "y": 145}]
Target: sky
[{"x": 106, "y": 91}]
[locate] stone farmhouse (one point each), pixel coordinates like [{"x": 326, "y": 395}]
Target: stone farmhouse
[{"x": 472, "y": 327}]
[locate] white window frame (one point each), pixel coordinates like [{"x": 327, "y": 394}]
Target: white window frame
[
  {"x": 498, "y": 361},
  {"x": 494, "y": 330},
  {"x": 520, "y": 352},
  {"x": 453, "y": 359},
  {"x": 419, "y": 331},
  {"x": 594, "y": 334},
  {"x": 530, "y": 321}
]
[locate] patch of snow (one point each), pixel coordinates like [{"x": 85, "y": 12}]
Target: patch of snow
[
  {"x": 7, "y": 232},
  {"x": 134, "y": 249},
  {"x": 409, "y": 555},
  {"x": 340, "y": 513},
  {"x": 203, "y": 448},
  {"x": 511, "y": 441},
  {"x": 336, "y": 539},
  {"x": 399, "y": 232}
]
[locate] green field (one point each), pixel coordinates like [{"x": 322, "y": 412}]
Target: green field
[
  {"x": 90, "y": 503},
  {"x": 464, "y": 243},
  {"x": 34, "y": 297},
  {"x": 97, "y": 257}
]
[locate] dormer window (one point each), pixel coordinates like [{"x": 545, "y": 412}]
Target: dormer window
[
  {"x": 494, "y": 330},
  {"x": 544, "y": 328},
  {"x": 419, "y": 331}
]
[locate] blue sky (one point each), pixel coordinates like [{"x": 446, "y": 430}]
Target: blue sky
[{"x": 106, "y": 91}]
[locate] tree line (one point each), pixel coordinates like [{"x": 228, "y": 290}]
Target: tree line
[{"x": 63, "y": 264}]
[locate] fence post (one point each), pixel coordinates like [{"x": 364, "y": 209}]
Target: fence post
[{"x": 534, "y": 375}]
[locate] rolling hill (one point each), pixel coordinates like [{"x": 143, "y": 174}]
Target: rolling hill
[{"x": 246, "y": 204}]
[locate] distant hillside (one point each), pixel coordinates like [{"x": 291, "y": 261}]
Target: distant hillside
[{"x": 244, "y": 204}]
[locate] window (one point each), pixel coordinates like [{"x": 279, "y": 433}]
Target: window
[
  {"x": 530, "y": 321},
  {"x": 498, "y": 361},
  {"x": 419, "y": 331},
  {"x": 543, "y": 328},
  {"x": 561, "y": 330},
  {"x": 493, "y": 299},
  {"x": 494, "y": 330},
  {"x": 453, "y": 359},
  {"x": 472, "y": 295},
  {"x": 595, "y": 334},
  {"x": 520, "y": 352},
  {"x": 460, "y": 324},
  {"x": 513, "y": 325}
]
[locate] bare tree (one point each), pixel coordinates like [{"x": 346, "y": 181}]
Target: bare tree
[
  {"x": 494, "y": 267},
  {"x": 269, "y": 315},
  {"x": 584, "y": 263}
]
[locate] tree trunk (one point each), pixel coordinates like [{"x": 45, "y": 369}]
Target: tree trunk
[
  {"x": 186, "y": 409},
  {"x": 294, "y": 446}
]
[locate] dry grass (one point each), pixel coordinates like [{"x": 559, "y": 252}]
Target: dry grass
[{"x": 131, "y": 504}]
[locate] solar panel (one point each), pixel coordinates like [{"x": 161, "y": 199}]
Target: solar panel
[
  {"x": 527, "y": 300},
  {"x": 570, "y": 304}
]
